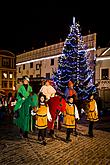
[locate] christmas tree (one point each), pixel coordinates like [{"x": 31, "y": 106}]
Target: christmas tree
[{"x": 73, "y": 65}]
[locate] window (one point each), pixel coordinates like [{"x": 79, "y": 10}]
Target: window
[
  {"x": 105, "y": 74},
  {"x": 52, "y": 61},
  {"x": 10, "y": 75},
  {"x": 4, "y": 75},
  {"x": 10, "y": 84},
  {"x": 48, "y": 75},
  {"x": 31, "y": 65},
  {"x": 6, "y": 62},
  {"x": 23, "y": 66},
  {"x": 37, "y": 66},
  {"x": 4, "y": 84}
]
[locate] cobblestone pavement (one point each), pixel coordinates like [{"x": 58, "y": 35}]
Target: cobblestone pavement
[{"x": 83, "y": 150}]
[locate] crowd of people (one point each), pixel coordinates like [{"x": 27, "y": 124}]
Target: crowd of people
[
  {"x": 7, "y": 103},
  {"x": 31, "y": 111}
]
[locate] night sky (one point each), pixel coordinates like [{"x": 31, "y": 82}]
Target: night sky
[{"x": 23, "y": 26}]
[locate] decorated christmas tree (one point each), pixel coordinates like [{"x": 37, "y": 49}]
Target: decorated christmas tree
[{"x": 73, "y": 65}]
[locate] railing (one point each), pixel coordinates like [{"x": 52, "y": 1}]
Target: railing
[{"x": 103, "y": 83}]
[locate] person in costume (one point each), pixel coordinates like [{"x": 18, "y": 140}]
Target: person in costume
[
  {"x": 48, "y": 90},
  {"x": 42, "y": 115},
  {"x": 22, "y": 108},
  {"x": 70, "y": 91},
  {"x": 56, "y": 105},
  {"x": 70, "y": 115},
  {"x": 92, "y": 114}
]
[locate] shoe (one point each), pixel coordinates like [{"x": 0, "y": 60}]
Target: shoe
[
  {"x": 21, "y": 136},
  {"x": 44, "y": 143},
  {"x": 68, "y": 140},
  {"x": 91, "y": 135},
  {"x": 40, "y": 142},
  {"x": 39, "y": 139},
  {"x": 53, "y": 136},
  {"x": 25, "y": 134},
  {"x": 75, "y": 134}
]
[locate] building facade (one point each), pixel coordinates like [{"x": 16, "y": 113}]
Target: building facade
[
  {"x": 102, "y": 75},
  {"x": 7, "y": 71},
  {"x": 42, "y": 62},
  {"x": 102, "y": 71}
]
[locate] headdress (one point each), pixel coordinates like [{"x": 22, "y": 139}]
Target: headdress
[
  {"x": 26, "y": 78},
  {"x": 70, "y": 83}
]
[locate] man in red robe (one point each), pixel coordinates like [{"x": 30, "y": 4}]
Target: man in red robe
[{"x": 56, "y": 104}]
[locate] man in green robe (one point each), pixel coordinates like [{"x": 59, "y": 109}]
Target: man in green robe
[{"x": 23, "y": 104}]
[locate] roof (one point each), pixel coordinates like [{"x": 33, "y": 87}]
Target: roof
[
  {"x": 103, "y": 52},
  {"x": 6, "y": 53}
]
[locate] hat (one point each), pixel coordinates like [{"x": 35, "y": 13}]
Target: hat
[{"x": 26, "y": 78}]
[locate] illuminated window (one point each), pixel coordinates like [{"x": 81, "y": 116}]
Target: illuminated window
[
  {"x": 4, "y": 75},
  {"x": 10, "y": 75}
]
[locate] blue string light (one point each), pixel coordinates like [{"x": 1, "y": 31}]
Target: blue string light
[{"x": 74, "y": 64}]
